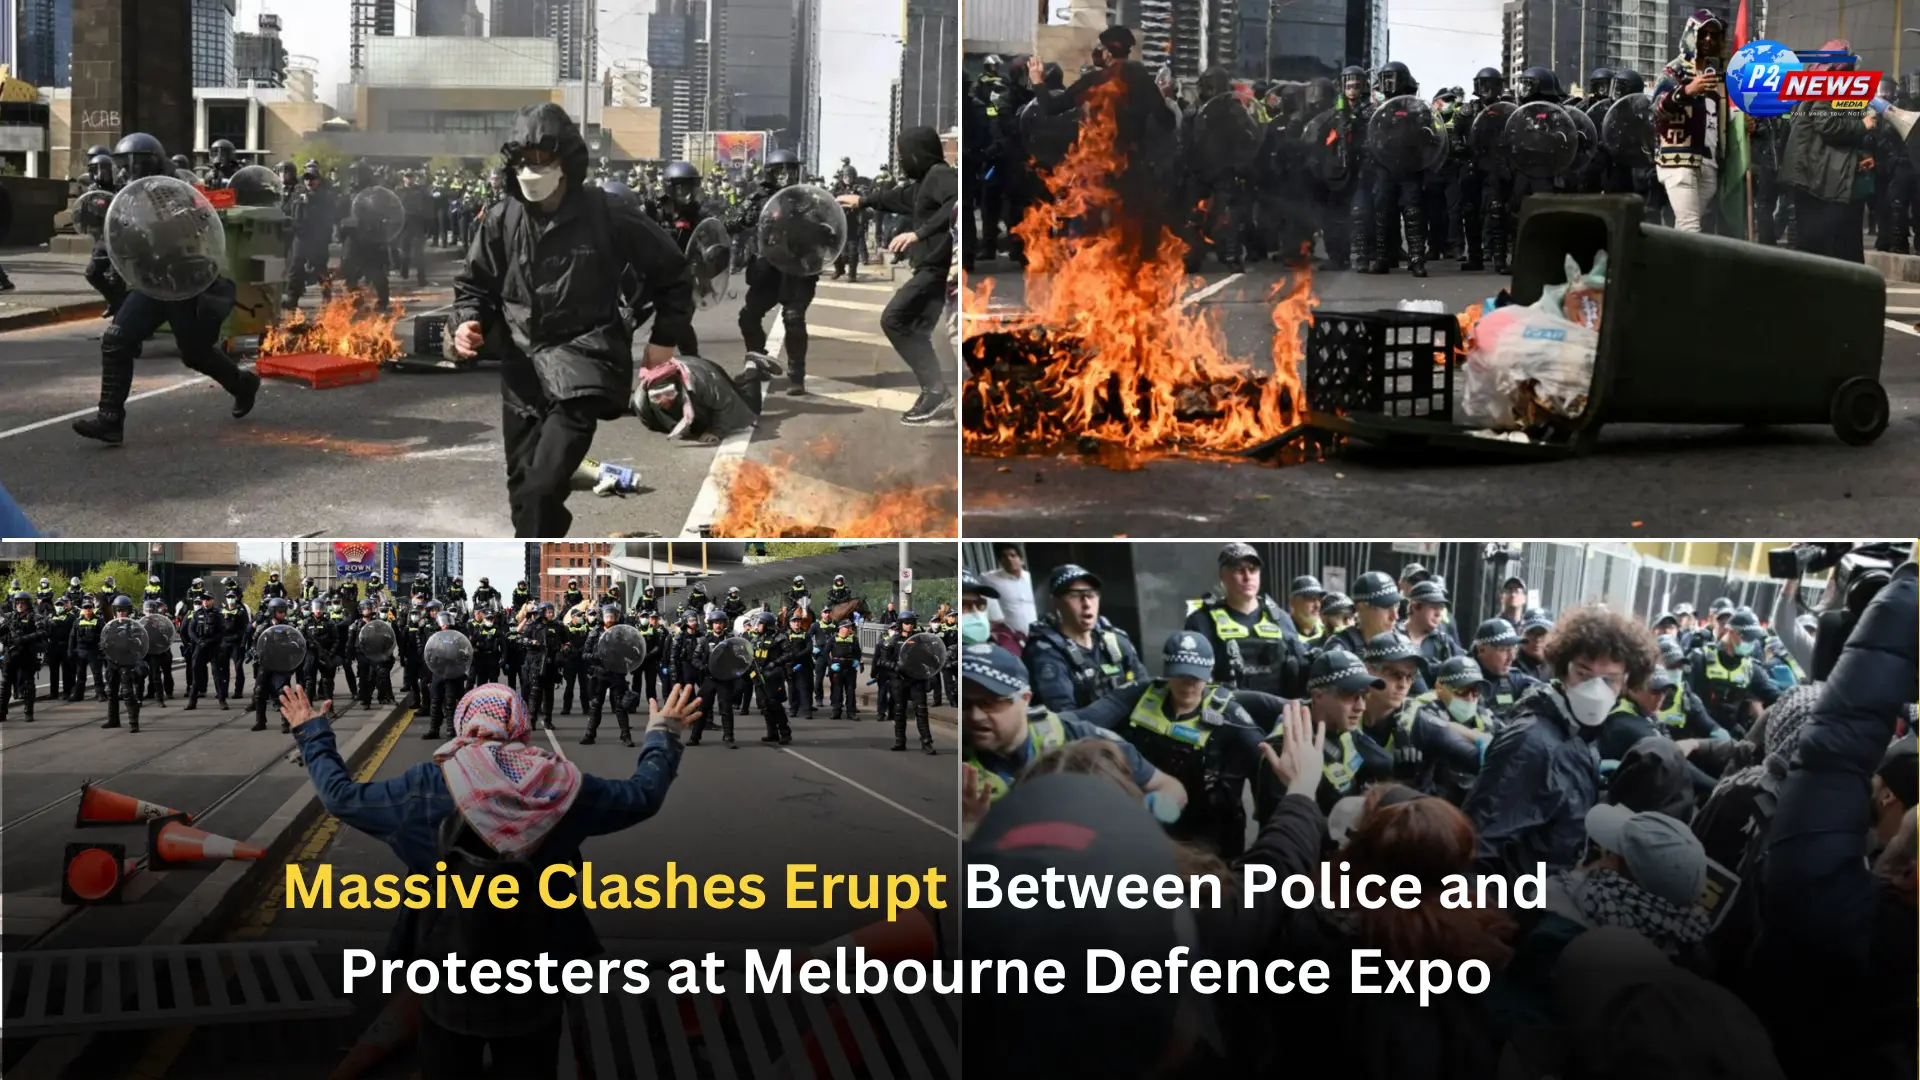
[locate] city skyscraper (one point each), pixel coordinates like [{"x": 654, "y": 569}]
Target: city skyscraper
[
  {"x": 366, "y": 19},
  {"x": 446, "y": 18},
  {"x": 753, "y": 58},
  {"x": 213, "y": 43},
  {"x": 927, "y": 65},
  {"x": 45, "y": 46},
  {"x": 517, "y": 18},
  {"x": 261, "y": 57}
]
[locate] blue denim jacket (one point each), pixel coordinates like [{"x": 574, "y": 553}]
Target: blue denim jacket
[{"x": 406, "y": 811}]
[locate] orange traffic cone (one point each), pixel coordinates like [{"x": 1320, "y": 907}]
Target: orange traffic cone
[
  {"x": 98, "y": 806},
  {"x": 96, "y": 874},
  {"x": 172, "y": 842}
]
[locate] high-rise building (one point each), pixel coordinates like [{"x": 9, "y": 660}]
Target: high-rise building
[
  {"x": 1571, "y": 38},
  {"x": 517, "y": 18},
  {"x": 530, "y": 573},
  {"x": 676, "y": 51},
  {"x": 1303, "y": 39},
  {"x": 366, "y": 19},
  {"x": 1190, "y": 36},
  {"x": 261, "y": 57},
  {"x": 805, "y": 92},
  {"x": 751, "y": 87},
  {"x": 45, "y": 45},
  {"x": 927, "y": 65},
  {"x": 213, "y": 43},
  {"x": 446, "y": 18},
  {"x": 567, "y": 22}
]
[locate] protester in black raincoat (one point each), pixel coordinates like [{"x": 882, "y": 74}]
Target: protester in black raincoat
[
  {"x": 1839, "y": 943},
  {"x": 1542, "y": 773},
  {"x": 547, "y": 271}
]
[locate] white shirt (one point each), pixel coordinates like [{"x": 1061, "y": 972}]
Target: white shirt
[{"x": 1016, "y": 598}]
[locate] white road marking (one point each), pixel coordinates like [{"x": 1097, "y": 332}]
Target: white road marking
[
  {"x": 850, "y": 305},
  {"x": 863, "y": 286},
  {"x": 870, "y": 791},
  {"x": 866, "y": 397},
  {"x": 1201, "y": 294},
  {"x": 707, "y": 505},
  {"x": 1902, "y": 327},
  {"x": 488, "y": 451},
  {"x": 90, "y": 410},
  {"x": 1903, "y": 311},
  {"x": 864, "y": 337}
]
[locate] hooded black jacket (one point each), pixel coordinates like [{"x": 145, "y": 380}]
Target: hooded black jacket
[
  {"x": 929, "y": 198},
  {"x": 568, "y": 338}
]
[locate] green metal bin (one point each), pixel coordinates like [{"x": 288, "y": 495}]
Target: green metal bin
[
  {"x": 256, "y": 261},
  {"x": 1696, "y": 330}
]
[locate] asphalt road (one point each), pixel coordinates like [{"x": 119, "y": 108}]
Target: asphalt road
[
  {"x": 836, "y": 797},
  {"x": 1650, "y": 480},
  {"x": 302, "y": 462}
]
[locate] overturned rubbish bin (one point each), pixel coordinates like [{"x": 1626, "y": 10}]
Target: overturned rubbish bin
[{"x": 1694, "y": 330}]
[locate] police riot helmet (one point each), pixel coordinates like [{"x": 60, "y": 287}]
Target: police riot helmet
[
  {"x": 123, "y": 604},
  {"x": 839, "y": 580},
  {"x": 182, "y": 161},
  {"x": 610, "y": 611},
  {"x": 433, "y": 606},
  {"x": 783, "y": 168},
  {"x": 318, "y": 606},
  {"x": 222, "y": 149},
  {"x": 1600, "y": 82},
  {"x": 769, "y": 621},
  {"x": 73, "y": 583},
  {"x": 277, "y": 607},
  {"x": 97, "y": 150},
  {"x": 1393, "y": 80},
  {"x": 799, "y": 579},
  {"x": 1627, "y": 81},
  {"x": 45, "y": 584},
  {"x": 444, "y": 619},
  {"x": 1353, "y": 77},
  {"x": 546, "y": 607},
  {"x": 20, "y": 598},
  {"x": 1488, "y": 83},
  {"x": 420, "y": 579},
  {"x": 717, "y": 617},
  {"x": 1537, "y": 84},
  {"x": 733, "y": 592},
  {"x": 572, "y": 583},
  {"x": 485, "y": 584},
  {"x": 150, "y": 606},
  {"x": 228, "y": 582},
  {"x": 366, "y": 607},
  {"x": 682, "y": 180},
  {"x": 109, "y": 582},
  {"x": 992, "y": 65},
  {"x": 153, "y": 579},
  {"x": 199, "y": 583},
  {"x": 100, "y": 167}
]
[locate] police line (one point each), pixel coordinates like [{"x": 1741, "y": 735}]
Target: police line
[
  {"x": 852, "y": 971},
  {"x": 1297, "y": 891}
]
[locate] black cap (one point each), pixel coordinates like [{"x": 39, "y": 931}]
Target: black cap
[
  {"x": 1376, "y": 589},
  {"x": 1389, "y": 647},
  {"x": 1900, "y": 770},
  {"x": 1458, "y": 673},
  {"x": 1239, "y": 552},
  {"x": 1513, "y": 582},
  {"x": 1063, "y": 578},
  {"x": 1535, "y": 619},
  {"x": 1307, "y": 585},
  {"x": 1496, "y": 632},
  {"x": 1428, "y": 592},
  {"x": 1343, "y": 671},
  {"x": 970, "y": 583},
  {"x": 1415, "y": 572},
  {"x": 1748, "y": 624},
  {"x": 1335, "y": 602},
  {"x": 1117, "y": 37}
]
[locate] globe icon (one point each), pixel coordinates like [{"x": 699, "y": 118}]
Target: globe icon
[{"x": 1754, "y": 77}]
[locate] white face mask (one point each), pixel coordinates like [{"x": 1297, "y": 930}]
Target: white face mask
[
  {"x": 539, "y": 184},
  {"x": 1592, "y": 701},
  {"x": 1461, "y": 709}
]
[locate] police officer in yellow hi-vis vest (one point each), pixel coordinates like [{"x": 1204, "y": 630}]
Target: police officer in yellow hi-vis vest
[
  {"x": 1426, "y": 626},
  {"x": 1681, "y": 712},
  {"x": 1303, "y": 603},
  {"x": 1199, "y": 732},
  {"x": 1439, "y": 738},
  {"x": 1725, "y": 674},
  {"x": 1494, "y": 647},
  {"x": 1074, "y": 655},
  {"x": 1004, "y": 734},
  {"x": 1338, "y": 686},
  {"x": 1254, "y": 641},
  {"x": 1636, "y": 716}
]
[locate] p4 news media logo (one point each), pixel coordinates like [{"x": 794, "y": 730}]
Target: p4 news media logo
[{"x": 1845, "y": 89}]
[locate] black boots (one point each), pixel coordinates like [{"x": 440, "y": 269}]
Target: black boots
[
  {"x": 1415, "y": 220},
  {"x": 109, "y": 428}
]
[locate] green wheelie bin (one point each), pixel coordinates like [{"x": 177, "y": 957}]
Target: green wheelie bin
[
  {"x": 256, "y": 261},
  {"x": 1695, "y": 330}
]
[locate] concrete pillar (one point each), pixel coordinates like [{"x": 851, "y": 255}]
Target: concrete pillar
[
  {"x": 253, "y": 121},
  {"x": 132, "y": 71},
  {"x": 199, "y": 125}
]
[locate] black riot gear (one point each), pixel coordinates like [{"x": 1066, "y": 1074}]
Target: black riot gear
[
  {"x": 1537, "y": 84},
  {"x": 682, "y": 183},
  {"x": 783, "y": 169},
  {"x": 1627, "y": 81},
  {"x": 1488, "y": 83},
  {"x": 1394, "y": 79},
  {"x": 1353, "y": 83},
  {"x": 1600, "y": 82},
  {"x": 140, "y": 155}
]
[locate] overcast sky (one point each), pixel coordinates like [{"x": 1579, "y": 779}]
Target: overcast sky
[{"x": 1443, "y": 42}]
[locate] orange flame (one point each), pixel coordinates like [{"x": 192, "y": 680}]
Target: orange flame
[
  {"x": 774, "y": 501},
  {"x": 1115, "y": 358},
  {"x": 340, "y": 328}
]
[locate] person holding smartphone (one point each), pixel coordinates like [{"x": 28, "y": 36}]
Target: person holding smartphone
[{"x": 1691, "y": 119}]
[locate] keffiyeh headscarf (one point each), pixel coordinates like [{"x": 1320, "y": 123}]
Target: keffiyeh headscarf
[{"x": 511, "y": 792}]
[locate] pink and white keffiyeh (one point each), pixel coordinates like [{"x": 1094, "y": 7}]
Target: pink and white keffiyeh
[{"x": 511, "y": 792}]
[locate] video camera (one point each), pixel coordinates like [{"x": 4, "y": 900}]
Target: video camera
[{"x": 1859, "y": 572}]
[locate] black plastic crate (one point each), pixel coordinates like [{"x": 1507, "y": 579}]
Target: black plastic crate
[
  {"x": 429, "y": 335},
  {"x": 1398, "y": 364}
]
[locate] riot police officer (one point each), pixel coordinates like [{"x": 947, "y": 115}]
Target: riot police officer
[
  {"x": 22, "y": 636},
  {"x": 796, "y": 664},
  {"x": 1440, "y": 736},
  {"x": 363, "y": 254},
  {"x": 653, "y": 679},
  {"x": 267, "y": 685},
  {"x": 1495, "y": 644},
  {"x": 1388, "y": 194},
  {"x": 83, "y": 651},
  {"x": 720, "y": 689},
  {"x": 316, "y": 211},
  {"x": 485, "y": 594},
  {"x": 914, "y": 675},
  {"x": 1467, "y": 206},
  {"x": 886, "y": 658},
  {"x": 100, "y": 272},
  {"x": 573, "y": 659},
  {"x": 734, "y": 605},
  {"x": 1349, "y": 214},
  {"x": 229, "y": 661},
  {"x": 443, "y": 691},
  {"x": 542, "y": 639},
  {"x": 772, "y": 658},
  {"x": 843, "y": 661},
  {"x": 123, "y": 675},
  {"x": 768, "y": 285},
  {"x": 326, "y": 640},
  {"x": 59, "y": 627},
  {"x": 1075, "y": 655},
  {"x": 601, "y": 681},
  {"x": 195, "y": 323},
  {"x": 488, "y": 643},
  {"x": 797, "y": 592}
]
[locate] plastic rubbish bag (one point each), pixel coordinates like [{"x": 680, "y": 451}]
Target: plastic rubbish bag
[{"x": 1528, "y": 365}]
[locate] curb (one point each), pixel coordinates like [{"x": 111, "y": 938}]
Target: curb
[
  {"x": 214, "y": 900},
  {"x": 59, "y": 313}
]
